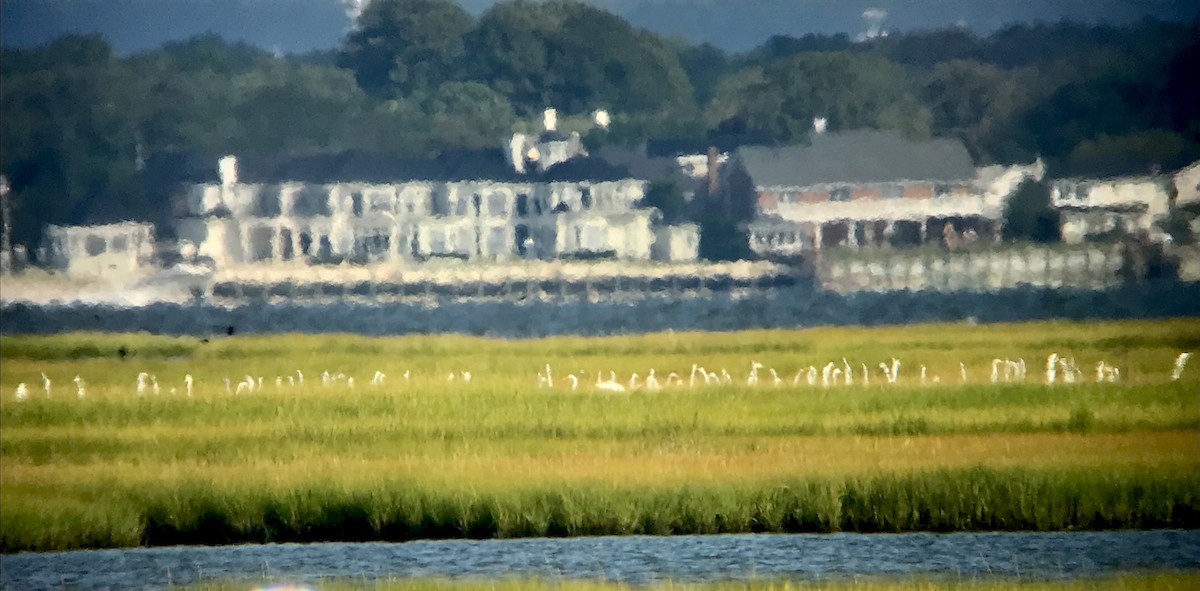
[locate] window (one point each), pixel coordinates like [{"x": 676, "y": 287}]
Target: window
[
  {"x": 285, "y": 236},
  {"x": 840, "y": 194},
  {"x": 356, "y": 204},
  {"x": 586, "y": 197},
  {"x": 522, "y": 205},
  {"x": 94, "y": 245},
  {"x": 119, "y": 244}
]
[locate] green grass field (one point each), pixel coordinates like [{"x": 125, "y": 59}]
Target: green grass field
[{"x": 505, "y": 456}]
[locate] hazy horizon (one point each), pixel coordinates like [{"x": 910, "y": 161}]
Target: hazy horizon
[{"x": 301, "y": 26}]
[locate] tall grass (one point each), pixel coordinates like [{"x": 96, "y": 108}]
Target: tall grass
[
  {"x": 501, "y": 456},
  {"x": 209, "y": 512}
]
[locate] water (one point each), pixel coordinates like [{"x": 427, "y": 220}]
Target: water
[{"x": 633, "y": 559}]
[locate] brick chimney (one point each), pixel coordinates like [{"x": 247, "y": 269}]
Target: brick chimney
[{"x": 713, "y": 163}]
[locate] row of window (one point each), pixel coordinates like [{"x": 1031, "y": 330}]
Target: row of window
[
  {"x": 317, "y": 204},
  {"x": 842, "y": 194}
]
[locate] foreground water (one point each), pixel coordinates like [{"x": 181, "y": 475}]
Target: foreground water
[{"x": 633, "y": 559}]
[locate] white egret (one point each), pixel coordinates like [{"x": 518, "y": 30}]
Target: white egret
[
  {"x": 962, "y": 372},
  {"x": 1180, "y": 362},
  {"x": 80, "y": 387},
  {"x": 609, "y": 385},
  {"x": 1052, "y": 368},
  {"x": 46, "y": 384},
  {"x": 574, "y": 381},
  {"x": 652, "y": 381},
  {"x": 22, "y": 391},
  {"x": 752, "y": 379},
  {"x": 187, "y": 383}
]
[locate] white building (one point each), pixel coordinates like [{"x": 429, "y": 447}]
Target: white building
[
  {"x": 106, "y": 250},
  {"x": 465, "y": 205},
  {"x": 1090, "y": 208}
]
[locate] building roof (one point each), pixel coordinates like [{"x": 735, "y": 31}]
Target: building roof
[
  {"x": 584, "y": 168},
  {"x": 371, "y": 167},
  {"x": 684, "y": 146},
  {"x": 641, "y": 166},
  {"x": 860, "y": 156}
]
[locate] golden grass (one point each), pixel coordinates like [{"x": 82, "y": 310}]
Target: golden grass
[{"x": 503, "y": 435}]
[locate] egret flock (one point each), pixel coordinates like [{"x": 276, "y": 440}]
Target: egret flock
[{"x": 1058, "y": 370}]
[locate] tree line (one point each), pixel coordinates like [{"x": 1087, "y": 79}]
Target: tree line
[{"x": 83, "y": 126}]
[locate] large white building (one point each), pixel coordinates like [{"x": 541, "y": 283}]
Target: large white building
[{"x": 488, "y": 205}]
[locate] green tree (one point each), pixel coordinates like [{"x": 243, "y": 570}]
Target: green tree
[
  {"x": 669, "y": 200},
  {"x": 1029, "y": 215},
  {"x": 405, "y": 46},
  {"x": 850, "y": 90},
  {"x": 468, "y": 114},
  {"x": 574, "y": 57},
  {"x": 68, "y": 144}
]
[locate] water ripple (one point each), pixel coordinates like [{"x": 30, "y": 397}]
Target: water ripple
[{"x": 630, "y": 559}]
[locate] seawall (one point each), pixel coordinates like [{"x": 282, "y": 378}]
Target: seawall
[{"x": 781, "y": 307}]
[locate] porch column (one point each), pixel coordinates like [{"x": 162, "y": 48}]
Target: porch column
[
  {"x": 296, "y": 252},
  {"x": 817, "y": 236},
  {"x": 244, "y": 237},
  {"x": 277, "y": 240}
]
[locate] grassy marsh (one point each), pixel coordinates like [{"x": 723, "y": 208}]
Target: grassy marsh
[{"x": 501, "y": 456}]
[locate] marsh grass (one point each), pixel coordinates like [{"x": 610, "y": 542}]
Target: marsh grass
[{"x": 501, "y": 457}]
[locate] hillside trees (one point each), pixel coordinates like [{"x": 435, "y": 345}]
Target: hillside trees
[
  {"x": 406, "y": 46},
  {"x": 851, "y": 90},
  {"x": 574, "y": 57}
]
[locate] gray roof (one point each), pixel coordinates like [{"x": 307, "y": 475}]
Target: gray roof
[{"x": 860, "y": 156}]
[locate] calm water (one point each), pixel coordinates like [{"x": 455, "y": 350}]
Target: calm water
[{"x": 630, "y": 559}]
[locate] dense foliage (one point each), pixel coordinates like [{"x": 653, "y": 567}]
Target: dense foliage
[{"x": 84, "y": 127}]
